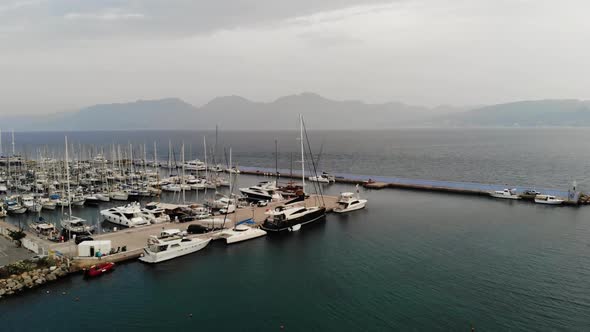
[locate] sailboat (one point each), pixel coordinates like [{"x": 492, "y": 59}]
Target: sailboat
[
  {"x": 293, "y": 215},
  {"x": 241, "y": 231},
  {"x": 71, "y": 224}
]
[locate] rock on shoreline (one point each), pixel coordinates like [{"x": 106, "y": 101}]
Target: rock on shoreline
[{"x": 26, "y": 280}]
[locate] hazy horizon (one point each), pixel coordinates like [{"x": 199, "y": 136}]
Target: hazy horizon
[{"x": 62, "y": 56}]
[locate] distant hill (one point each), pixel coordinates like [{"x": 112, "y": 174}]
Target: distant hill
[
  {"x": 234, "y": 113},
  {"x": 238, "y": 113},
  {"x": 537, "y": 113}
]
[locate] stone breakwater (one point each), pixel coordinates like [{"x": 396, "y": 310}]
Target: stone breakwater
[{"x": 30, "y": 279}]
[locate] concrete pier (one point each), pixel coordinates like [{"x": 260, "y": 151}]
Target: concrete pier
[
  {"x": 455, "y": 187},
  {"x": 135, "y": 239}
]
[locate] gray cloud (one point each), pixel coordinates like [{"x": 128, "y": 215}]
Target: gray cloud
[{"x": 62, "y": 54}]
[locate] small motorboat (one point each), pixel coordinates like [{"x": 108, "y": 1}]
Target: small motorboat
[
  {"x": 506, "y": 193},
  {"x": 241, "y": 232},
  {"x": 99, "y": 269},
  {"x": 548, "y": 199}
]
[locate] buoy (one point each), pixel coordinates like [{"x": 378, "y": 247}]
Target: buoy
[{"x": 63, "y": 293}]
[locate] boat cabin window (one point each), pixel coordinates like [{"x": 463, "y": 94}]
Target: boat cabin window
[
  {"x": 157, "y": 248},
  {"x": 355, "y": 202},
  {"x": 279, "y": 217},
  {"x": 129, "y": 215},
  {"x": 300, "y": 211}
]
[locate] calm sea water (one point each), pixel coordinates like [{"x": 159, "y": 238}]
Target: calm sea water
[
  {"x": 526, "y": 157},
  {"x": 412, "y": 261}
]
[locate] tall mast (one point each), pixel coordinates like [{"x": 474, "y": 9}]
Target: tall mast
[
  {"x": 182, "y": 180},
  {"x": 302, "y": 153},
  {"x": 0, "y": 142},
  {"x": 230, "y": 168},
  {"x": 215, "y": 147},
  {"x": 155, "y": 155},
  {"x": 277, "y": 160},
  {"x": 169, "y": 157},
  {"x": 68, "y": 181},
  {"x": 206, "y": 165},
  {"x": 13, "y": 142}
]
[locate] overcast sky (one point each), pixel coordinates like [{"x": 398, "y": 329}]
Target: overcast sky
[{"x": 60, "y": 55}]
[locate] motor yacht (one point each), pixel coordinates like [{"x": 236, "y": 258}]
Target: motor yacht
[
  {"x": 548, "y": 199},
  {"x": 13, "y": 207},
  {"x": 130, "y": 215},
  {"x": 264, "y": 191},
  {"x": 119, "y": 195},
  {"x": 155, "y": 215},
  {"x": 348, "y": 202},
  {"x": 506, "y": 193},
  {"x": 169, "y": 246},
  {"x": 30, "y": 203},
  {"x": 47, "y": 204}
]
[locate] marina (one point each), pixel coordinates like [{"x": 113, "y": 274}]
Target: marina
[{"x": 229, "y": 224}]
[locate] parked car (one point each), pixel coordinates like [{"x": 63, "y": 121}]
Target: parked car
[{"x": 531, "y": 192}]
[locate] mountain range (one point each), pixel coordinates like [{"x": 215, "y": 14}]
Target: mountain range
[{"x": 238, "y": 113}]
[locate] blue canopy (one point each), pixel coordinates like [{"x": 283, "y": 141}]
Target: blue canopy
[{"x": 248, "y": 221}]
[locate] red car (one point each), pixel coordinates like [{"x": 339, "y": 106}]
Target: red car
[{"x": 99, "y": 269}]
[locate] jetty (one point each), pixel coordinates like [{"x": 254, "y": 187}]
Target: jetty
[
  {"x": 134, "y": 239},
  {"x": 571, "y": 197}
]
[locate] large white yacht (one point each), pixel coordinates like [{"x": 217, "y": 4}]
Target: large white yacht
[
  {"x": 155, "y": 214},
  {"x": 506, "y": 193},
  {"x": 170, "y": 244},
  {"x": 349, "y": 202},
  {"x": 264, "y": 191},
  {"x": 195, "y": 165},
  {"x": 130, "y": 215}
]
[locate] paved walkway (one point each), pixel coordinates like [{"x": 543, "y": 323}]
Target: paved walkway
[{"x": 9, "y": 253}]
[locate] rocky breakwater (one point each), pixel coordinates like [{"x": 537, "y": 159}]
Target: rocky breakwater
[{"x": 33, "y": 274}]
